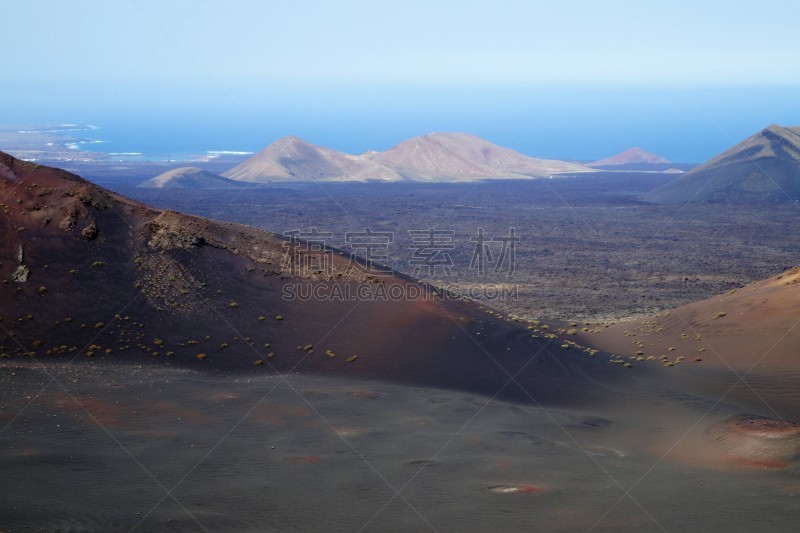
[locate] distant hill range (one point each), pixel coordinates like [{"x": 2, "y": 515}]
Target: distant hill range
[
  {"x": 464, "y": 157},
  {"x": 439, "y": 157},
  {"x": 762, "y": 168},
  {"x": 293, "y": 159},
  {"x": 632, "y": 156},
  {"x": 433, "y": 157},
  {"x": 190, "y": 178}
]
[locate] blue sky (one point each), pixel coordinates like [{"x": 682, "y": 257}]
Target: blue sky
[{"x": 574, "y": 79}]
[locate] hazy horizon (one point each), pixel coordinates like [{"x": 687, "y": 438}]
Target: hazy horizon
[{"x": 574, "y": 81}]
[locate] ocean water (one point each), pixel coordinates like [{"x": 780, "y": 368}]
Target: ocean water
[{"x": 135, "y": 142}]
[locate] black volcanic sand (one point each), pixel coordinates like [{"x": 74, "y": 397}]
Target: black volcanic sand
[{"x": 106, "y": 447}]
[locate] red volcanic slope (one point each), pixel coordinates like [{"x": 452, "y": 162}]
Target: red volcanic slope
[
  {"x": 754, "y": 325},
  {"x": 742, "y": 345}
]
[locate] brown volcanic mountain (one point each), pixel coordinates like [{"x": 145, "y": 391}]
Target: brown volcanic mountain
[
  {"x": 189, "y": 178},
  {"x": 464, "y": 157},
  {"x": 762, "y": 168},
  {"x": 631, "y": 156},
  {"x": 293, "y": 159},
  {"x": 432, "y": 157},
  {"x": 89, "y": 275}
]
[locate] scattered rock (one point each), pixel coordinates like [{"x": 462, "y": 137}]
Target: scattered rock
[
  {"x": 94, "y": 197},
  {"x": 68, "y": 223},
  {"x": 72, "y": 213},
  {"x": 21, "y": 274},
  {"x": 89, "y": 232}
]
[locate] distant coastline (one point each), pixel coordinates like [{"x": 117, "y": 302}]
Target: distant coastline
[{"x": 64, "y": 142}]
